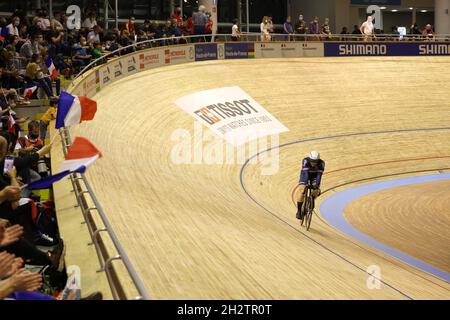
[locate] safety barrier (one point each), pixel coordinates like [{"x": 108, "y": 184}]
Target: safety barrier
[{"x": 150, "y": 54}]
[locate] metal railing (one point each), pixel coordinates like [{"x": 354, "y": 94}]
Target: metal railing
[{"x": 104, "y": 258}]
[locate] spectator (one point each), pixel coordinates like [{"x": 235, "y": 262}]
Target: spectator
[
  {"x": 235, "y": 32},
  {"x": 23, "y": 32},
  {"x": 344, "y": 33},
  {"x": 326, "y": 30},
  {"x": 367, "y": 29},
  {"x": 56, "y": 24},
  {"x": 265, "y": 34},
  {"x": 31, "y": 141},
  {"x": 314, "y": 27},
  {"x": 48, "y": 116},
  {"x": 415, "y": 31},
  {"x": 94, "y": 35},
  {"x": 33, "y": 46},
  {"x": 13, "y": 27},
  {"x": 42, "y": 22},
  {"x": 209, "y": 25},
  {"x": 176, "y": 15},
  {"x": 428, "y": 33},
  {"x": 130, "y": 27},
  {"x": 35, "y": 74},
  {"x": 288, "y": 29},
  {"x": 81, "y": 56},
  {"x": 199, "y": 19},
  {"x": 356, "y": 32},
  {"x": 90, "y": 22},
  {"x": 395, "y": 34},
  {"x": 300, "y": 27},
  {"x": 98, "y": 52}
]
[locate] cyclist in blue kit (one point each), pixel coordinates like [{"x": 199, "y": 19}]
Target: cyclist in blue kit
[{"x": 311, "y": 173}]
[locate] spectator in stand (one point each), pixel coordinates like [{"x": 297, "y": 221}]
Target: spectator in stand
[
  {"x": 200, "y": 19},
  {"x": 33, "y": 46},
  {"x": 314, "y": 28},
  {"x": 415, "y": 31},
  {"x": 47, "y": 75},
  {"x": 325, "y": 31},
  {"x": 94, "y": 35},
  {"x": 13, "y": 28},
  {"x": 48, "y": 116},
  {"x": 189, "y": 26},
  {"x": 264, "y": 27},
  {"x": 98, "y": 51},
  {"x": 81, "y": 56},
  {"x": 35, "y": 74},
  {"x": 209, "y": 26},
  {"x": 31, "y": 141},
  {"x": 395, "y": 34},
  {"x": 344, "y": 33},
  {"x": 368, "y": 29},
  {"x": 428, "y": 33},
  {"x": 130, "y": 27},
  {"x": 356, "y": 33},
  {"x": 235, "y": 32},
  {"x": 42, "y": 22},
  {"x": 3, "y": 28},
  {"x": 176, "y": 15},
  {"x": 23, "y": 32},
  {"x": 56, "y": 23},
  {"x": 288, "y": 29},
  {"x": 300, "y": 27},
  {"x": 125, "y": 41},
  {"x": 90, "y": 22}
]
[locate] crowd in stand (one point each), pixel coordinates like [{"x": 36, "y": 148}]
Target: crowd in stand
[
  {"x": 34, "y": 53},
  {"x": 301, "y": 30}
]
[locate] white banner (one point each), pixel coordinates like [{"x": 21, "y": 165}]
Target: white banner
[
  {"x": 106, "y": 76},
  {"x": 178, "y": 55},
  {"x": 151, "y": 59},
  {"x": 267, "y": 50},
  {"x": 89, "y": 85},
  {"x": 130, "y": 64},
  {"x": 117, "y": 69},
  {"x": 232, "y": 114},
  {"x": 311, "y": 49},
  {"x": 291, "y": 50}
]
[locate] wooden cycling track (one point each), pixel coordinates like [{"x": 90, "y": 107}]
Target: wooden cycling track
[{"x": 218, "y": 231}]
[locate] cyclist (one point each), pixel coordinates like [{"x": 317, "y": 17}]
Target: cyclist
[{"x": 312, "y": 170}]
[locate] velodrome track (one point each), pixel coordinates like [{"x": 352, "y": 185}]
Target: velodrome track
[{"x": 221, "y": 231}]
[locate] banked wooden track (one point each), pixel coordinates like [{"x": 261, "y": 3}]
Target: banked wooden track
[{"x": 192, "y": 232}]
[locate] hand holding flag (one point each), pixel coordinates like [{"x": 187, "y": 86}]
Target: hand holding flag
[{"x": 80, "y": 155}]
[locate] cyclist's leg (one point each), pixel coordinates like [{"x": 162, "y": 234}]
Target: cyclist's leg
[{"x": 300, "y": 200}]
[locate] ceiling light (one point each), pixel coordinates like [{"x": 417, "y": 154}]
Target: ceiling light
[
  {"x": 423, "y": 10},
  {"x": 395, "y": 10},
  {"x": 382, "y": 8}
]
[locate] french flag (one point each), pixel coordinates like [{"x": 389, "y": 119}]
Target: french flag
[
  {"x": 74, "y": 110},
  {"x": 51, "y": 68},
  {"x": 11, "y": 123},
  {"x": 29, "y": 90},
  {"x": 80, "y": 155}
]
